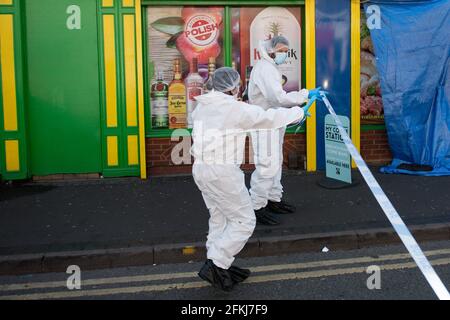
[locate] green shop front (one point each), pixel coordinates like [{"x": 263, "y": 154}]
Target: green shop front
[{"x": 105, "y": 88}]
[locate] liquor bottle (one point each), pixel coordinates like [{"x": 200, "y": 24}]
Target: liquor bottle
[
  {"x": 248, "y": 71},
  {"x": 194, "y": 87},
  {"x": 233, "y": 65},
  {"x": 160, "y": 102},
  {"x": 177, "y": 99},
  {"x": 211, "y": 69}
]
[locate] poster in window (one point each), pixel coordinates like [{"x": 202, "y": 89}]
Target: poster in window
[
  {"x": 372, "y": 111},
  {"x": 250, "y": 25}
]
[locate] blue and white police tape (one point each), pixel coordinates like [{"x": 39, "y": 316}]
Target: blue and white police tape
[{"x": 390, "y": 212}]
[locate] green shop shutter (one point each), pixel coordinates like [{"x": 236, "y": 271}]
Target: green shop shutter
[
  {"x": 13, "y": 149},
  {"x": 63, "y": 83}
]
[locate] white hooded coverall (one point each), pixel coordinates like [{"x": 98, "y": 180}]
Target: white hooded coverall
[
  {"x": 220, "y": 128},
  {"x": 266, "y": 91}
]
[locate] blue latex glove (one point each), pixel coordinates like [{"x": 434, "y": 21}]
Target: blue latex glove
[
  {"x": 317, "y": 93},
  {"x": 314, "y": 92},
  {"x": 317, "y": 96},
  {"x": 305, "y": 110},
  {"x": 307, "y": 114},
  {"x": 310, "y": 102}
]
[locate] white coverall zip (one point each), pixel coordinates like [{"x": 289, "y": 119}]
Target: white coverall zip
[{"x": 221, "y": 125}]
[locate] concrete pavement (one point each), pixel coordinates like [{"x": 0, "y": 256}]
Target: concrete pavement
[{"x": 115, "y": 223}]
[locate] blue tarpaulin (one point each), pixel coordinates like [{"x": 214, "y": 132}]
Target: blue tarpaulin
[{"x": 413, "y": 58}]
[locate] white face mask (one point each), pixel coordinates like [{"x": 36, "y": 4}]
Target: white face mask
[{"x": 280, "y": 57}]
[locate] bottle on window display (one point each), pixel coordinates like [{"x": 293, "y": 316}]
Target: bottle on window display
[
  {"x": 211, "y": 69},
  {"x": 160, "y": 102},
  {"x": 233, "y": 65},
  {"x": 194, "y": 87},
  {"x": 248, "y": 71},
  {"x": 177, "y": 99}
]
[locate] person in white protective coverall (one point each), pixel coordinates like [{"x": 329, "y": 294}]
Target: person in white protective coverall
[
  {"x": 221, "y": 124},
  {"x": 266, "y": 91}
]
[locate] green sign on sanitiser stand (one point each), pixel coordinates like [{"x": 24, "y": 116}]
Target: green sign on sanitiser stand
[{"x": 337, "y": 157}]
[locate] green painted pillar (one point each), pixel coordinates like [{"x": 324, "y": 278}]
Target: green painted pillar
[{"x": 13, "y": 142}]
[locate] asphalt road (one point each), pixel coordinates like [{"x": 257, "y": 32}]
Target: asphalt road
[{"x": 322, "y": 275}]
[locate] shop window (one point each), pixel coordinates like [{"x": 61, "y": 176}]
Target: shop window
[
  {"x": 182, "y": 40},
  {"x": 185, "y": 44}
]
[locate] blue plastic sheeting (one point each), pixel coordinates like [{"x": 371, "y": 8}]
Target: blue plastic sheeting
[
  {"x": 413, "y": 57},
  {"x": 332, "y": 64}
]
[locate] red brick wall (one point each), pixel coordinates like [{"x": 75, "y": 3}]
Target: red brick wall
[
  {"x": 294, "y": 152},
  {"x": 295, "y": 144},
  {"x": 159, "y": 162},
  {"x": 374, "y": 149}
]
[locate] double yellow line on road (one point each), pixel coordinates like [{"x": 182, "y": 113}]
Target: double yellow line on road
[{"x": 297, "y": 275}]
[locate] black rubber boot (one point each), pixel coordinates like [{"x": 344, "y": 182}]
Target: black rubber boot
[
  {"x": 218, "y": 277},
  {"x": 238, "y": 274},
  {"x": 263, "y": 216},
  {"x": 281, "y": 207}
]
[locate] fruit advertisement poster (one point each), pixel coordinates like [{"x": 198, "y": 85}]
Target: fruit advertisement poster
[
  {"x": 184, "y": 33},
  {"x": 250, "y": 25},
  {"x": 372, "y": 111}
]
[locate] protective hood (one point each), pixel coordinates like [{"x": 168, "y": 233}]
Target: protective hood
[
  {"x": 212, "y": 97},
  {"x": 214, "y": 106},
  {"x": 263, "y": 51}
]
